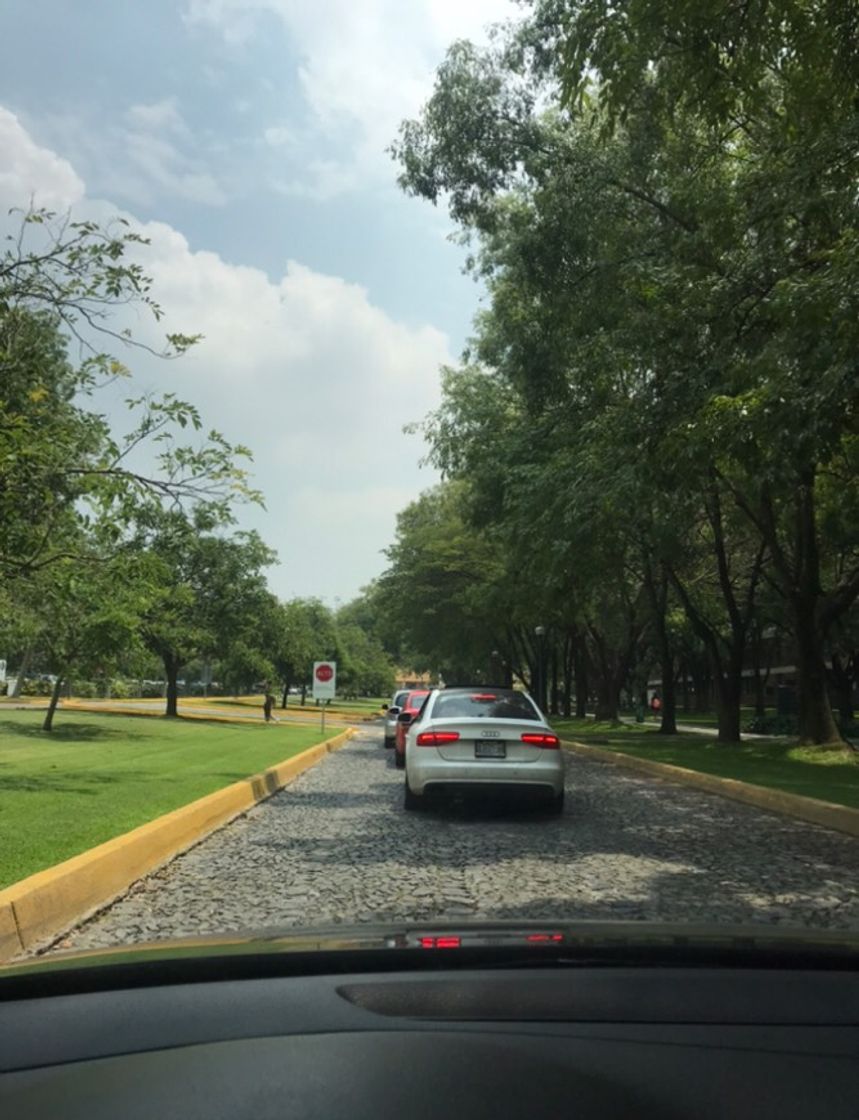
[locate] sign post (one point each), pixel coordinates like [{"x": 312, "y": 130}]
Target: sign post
[{"x": 324, "y": 684}]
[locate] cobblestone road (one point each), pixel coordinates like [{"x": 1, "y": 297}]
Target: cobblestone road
[{"x": 337, "y": 846}]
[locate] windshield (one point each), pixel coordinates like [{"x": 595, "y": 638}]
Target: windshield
[
  {"x": 483, "y": 705},
  {"x": 500, "y": 352}
]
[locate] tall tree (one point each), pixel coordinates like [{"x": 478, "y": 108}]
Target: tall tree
[{"x": 207, "y": 592}]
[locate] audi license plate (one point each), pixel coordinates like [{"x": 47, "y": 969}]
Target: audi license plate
[{"x": 490, "y": 750}]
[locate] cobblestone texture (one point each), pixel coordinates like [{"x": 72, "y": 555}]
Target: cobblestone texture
[{"x": 337, "y": 846}]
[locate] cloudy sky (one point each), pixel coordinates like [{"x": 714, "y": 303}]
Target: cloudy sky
[{"x": 247, "y": 138}]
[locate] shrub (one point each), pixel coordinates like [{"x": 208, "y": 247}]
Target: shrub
[
  {"x": 35, "y": 686},
  {"x": 772, "y": 725},
  {"x": 121, "y": 689}
]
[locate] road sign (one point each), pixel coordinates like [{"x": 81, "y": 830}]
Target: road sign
[{"x": 324, "y": 680}]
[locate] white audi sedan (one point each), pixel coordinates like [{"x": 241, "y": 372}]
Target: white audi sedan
[{"x": 482, "y": 741}]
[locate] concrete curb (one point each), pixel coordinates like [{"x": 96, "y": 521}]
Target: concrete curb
[
  {"x": 841, "y": 818},
  {"x": 43, "y": 905}
]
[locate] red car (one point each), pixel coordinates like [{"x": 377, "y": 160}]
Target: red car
[{"x": 410, "y": 707}]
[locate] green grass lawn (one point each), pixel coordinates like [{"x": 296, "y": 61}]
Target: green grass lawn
[
  {"x": 780, "y": 763},
  {"x": 97, "y": 776}
]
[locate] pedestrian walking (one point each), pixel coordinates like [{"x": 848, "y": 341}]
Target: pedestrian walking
[
  {"x": 655, "y": 705},
  {"x": 268, "y": 704}
]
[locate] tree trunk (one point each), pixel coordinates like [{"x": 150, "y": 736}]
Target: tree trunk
[
  {"x": 303, "y": 695},
  {"x": 812, "y": 611},
  {"x": 22, "y": 672},
  {"x": 171, "y": 673},
  {"x": 703, "y": 691},
  {"x": 608, "y": 698},
  {"x": 728, "y": 685},
  {"x": 656, "y": 586},
  {"x": 668, "y": 726},
  {"x": 580, "y": 670},
  {"x": 553, "y": 704},
  {"x": 568, "y": 676},
  {"x": 683, "y": 671},
  {"x": 817, "y": 725},
  {"x": 287, "y": 684},
  {"x": 52, "y": 707},
  {"x": 842, "y": 677}
]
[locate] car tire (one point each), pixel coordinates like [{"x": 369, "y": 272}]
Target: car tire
[
  {"x": 556, "y": 805},
  {"x": 400, "y": 761},
  {"x": 389, "y": 742},
  {"x": 411, "y": 801}
]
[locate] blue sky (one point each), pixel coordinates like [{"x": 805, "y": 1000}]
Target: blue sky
[{"x": 247, "y": 139}]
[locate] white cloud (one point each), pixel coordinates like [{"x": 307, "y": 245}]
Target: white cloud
[
  {"x": 158, "y": 115},
  {"x": 364, "y": 67},
  {"x": 304, "y": 369},
  {"x": 159, "y": 168},
  {"x": 26, "y": 170},
  {"x": 278, "y": 135}
]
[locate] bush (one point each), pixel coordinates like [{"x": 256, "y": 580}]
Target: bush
[
  {"x": 36, "y": 686},
  {"x": 788, "y": 725},
  {"x": 772, "y": 725},
  {"x": 121, "y": 689},
  {"x": 84, "y": 690}
]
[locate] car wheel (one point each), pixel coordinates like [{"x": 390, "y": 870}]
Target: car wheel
[
  {"x": 411, "y": 801},
  {"x": 556, "y": 805},
  {"x": 389, "y": 742},
  {"x": 400, "y": 761}
]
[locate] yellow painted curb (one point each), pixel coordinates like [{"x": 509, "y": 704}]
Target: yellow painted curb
[
  {"x": 824, "y": 813},
  {"x": 43, "y": 905},
  {"x": 10, "y": 942}
]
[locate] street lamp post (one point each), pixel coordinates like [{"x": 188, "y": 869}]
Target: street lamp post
[{"x": 540, "y": 631}]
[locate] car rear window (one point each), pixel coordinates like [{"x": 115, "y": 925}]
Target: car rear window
[
  {"x": 399, "y": 699},
  {"x": 487, "y": 704}
]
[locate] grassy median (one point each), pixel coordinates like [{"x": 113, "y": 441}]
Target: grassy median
[
  {"x": 828, "y": 775},
  {"x": 97, "y": 776}
]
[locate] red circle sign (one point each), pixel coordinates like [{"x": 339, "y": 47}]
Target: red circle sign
[{"x": 324, "y": 673}]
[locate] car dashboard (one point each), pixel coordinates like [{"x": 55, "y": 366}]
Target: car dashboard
[{"x": 426, "y": 1038}]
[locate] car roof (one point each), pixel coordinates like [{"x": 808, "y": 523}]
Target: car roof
[
  {"x": 417, "y": 692},
  {"x": 485, "y": 688}
]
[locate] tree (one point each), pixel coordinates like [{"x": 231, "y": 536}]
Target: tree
[
  {"x": 59, "y": 281},
  {"x": 208, "y": 591},
  {"x": 657, "y": 263},
  {"x": 436, "y": 591},
  {"x": 84, "y": 613}
]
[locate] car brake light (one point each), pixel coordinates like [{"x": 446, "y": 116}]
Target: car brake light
[
  {"x": 488, "y": 696},
  {"x": 436, "y": 738},
  {"x": 535, "y": 739},
  {"x": 544, "y": 937},
  {"x": 440, "y": 942}
]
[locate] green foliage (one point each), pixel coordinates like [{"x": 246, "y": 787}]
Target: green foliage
[
  {"x": 664, "y": 378},
  {"x": 61, "y": 467}
]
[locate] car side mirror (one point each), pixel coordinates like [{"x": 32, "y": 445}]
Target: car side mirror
[
  {"x": 393, "y": 710},
  {"x": 404, "y": 717}
]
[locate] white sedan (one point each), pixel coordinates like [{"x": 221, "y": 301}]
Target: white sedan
[{"x": 484, "y": 741}]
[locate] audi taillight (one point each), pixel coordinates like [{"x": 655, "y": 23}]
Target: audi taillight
[
  {"x": 536, "y": 739},
  {"x": 436, "y": 738}
]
